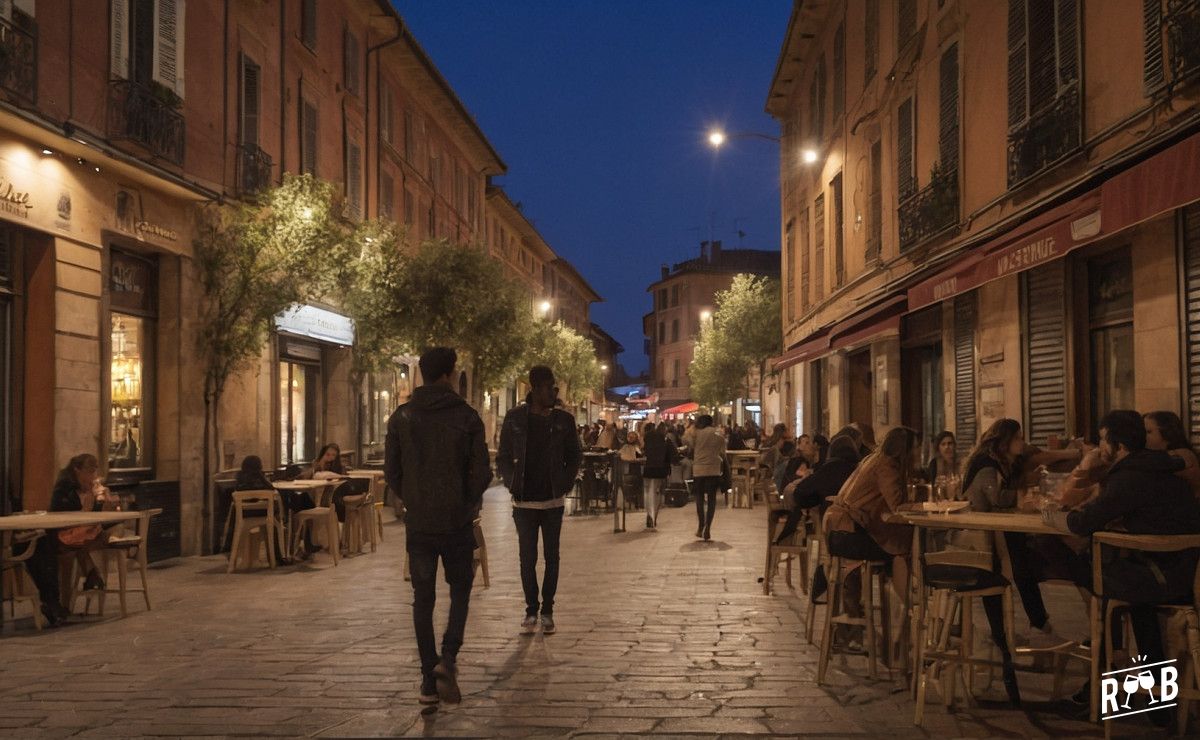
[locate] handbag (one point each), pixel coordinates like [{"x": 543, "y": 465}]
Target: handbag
[{"x": 79, "y": 536}]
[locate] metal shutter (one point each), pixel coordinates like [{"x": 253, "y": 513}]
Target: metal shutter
[
  {"x": 906, "y": 21},
  {"x": 966, "y": 422},
  {"x": 805, "y": 260},
  {"x": 839, "y": 71},
  {"x": 1043, "y": 312},
  {"x": 871, "y": 40},
  {"x": 818, "y": 272},
  {"x": 839, "y": 236},
  {"x": 948, "y": 111},
  {"x": 904, "y": 149},
  {"x": 1191, "y": 304},
  {"x": 875, "y": 238},
  {"x": 1152, "y": 60},
  {"x": 1017, "y": 63}
]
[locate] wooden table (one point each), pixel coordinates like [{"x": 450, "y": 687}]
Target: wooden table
[
  {"x": 747, "y": 460},
  {"x": 62, "y": 520}
]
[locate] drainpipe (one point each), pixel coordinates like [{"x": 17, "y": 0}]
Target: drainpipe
[
  {"x": 282, "y": 90},
  {"x": 379, "y": 112}
]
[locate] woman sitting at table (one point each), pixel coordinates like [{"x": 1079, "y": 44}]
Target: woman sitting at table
[
  {"x": 329, "y": 466},
  {"x": 1164, "y": 431},
  {"x": 250, "y": 477},
  {"x": 855, "y": 523},
  {"x": 944, "y": 460},
  {"x": 814, "y": 490},
  {"x": 77, "y": 488}
]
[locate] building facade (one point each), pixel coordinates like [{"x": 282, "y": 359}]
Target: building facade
[
  {"x": 682, "y": 299},
  {"x": 105, "y": 156},
  {"x": 988, "y": 210}
]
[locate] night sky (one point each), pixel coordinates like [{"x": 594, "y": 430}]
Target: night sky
[{"x": 600, "y": 110}]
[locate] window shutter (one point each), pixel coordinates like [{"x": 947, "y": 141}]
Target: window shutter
[
  {"x": 839, "y": 71},
  {"x": 904, "y": 149},
  {"x": 168, "y": 44},
  {"x": 1043, "y": 56},
  {"x": 789, "y": 254},
  {"x": 1152, "y": 66},
  {"x": 906, "y": 21},
  {"x": 354, "y": 180},
  {"x": 821, "y": 93},
  {"x": 1191, "y": 267},
  {"x": 350, "y": 61},
  {"x": 118, "y": 52},
  {"x": 839, "y": 236},
  {"x": 308, "y": 23},
  {"x": 871, "y": 40},
  {"x": 1067, "y": 25},
  {"x": 948, "y": 114},
  {"x": 819, "y": 252},
  {"x": 805, "y": 260},
  {"x": 1018, "y": 102},
  {"x": 387, "y": 195},
  {"x": 250, "y": 99},
  {"x": 1044, "y": 307},
  {"x": 875, "y": 240},
  {"x": 966, "y": 422},
  {"x": 308, "y": 137}
]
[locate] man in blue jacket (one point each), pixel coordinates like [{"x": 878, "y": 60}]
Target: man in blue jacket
[
  {"x": 436, "y": 460},
  {"x": 538, "y": 459}
]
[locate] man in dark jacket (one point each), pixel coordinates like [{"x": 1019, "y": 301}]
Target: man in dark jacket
[
  {"x": 436, "y": 460},
  {"x": 1141, "y": 494},
  {"x": 538, "y": 459}
]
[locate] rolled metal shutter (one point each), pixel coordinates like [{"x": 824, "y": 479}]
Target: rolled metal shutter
[
  {"x": 1191, "y": 307},
  {"x": 1043, "y": 313},
  {"x": 966, "y": 420}
]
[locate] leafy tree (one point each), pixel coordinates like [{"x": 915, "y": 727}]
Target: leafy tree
[
  {"x": 745, "y": 331},
  {"x": 570, "y": 355},
  {"x": 254, "y": 260}
]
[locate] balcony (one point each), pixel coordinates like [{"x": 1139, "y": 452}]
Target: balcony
[
  {"x": 1182, "y": 20},
  {"x": 146, "y": 116},
  {"x": 931, "y": 210},
  {"x": 1046, "y": 137},
  {"x": 254, "y": 169},
  {"x": 18, "y": 60}
]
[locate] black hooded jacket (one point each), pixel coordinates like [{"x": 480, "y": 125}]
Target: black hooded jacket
[
  {"x": 564, "y": 453},
  {"x": 436, "y": 460},
  {"x": 1143, "y": 494}
]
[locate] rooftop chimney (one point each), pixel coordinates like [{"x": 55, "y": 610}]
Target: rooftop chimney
[
  {"x": 704, "y": 251},
  {"x": 666, "y": 272},
  {"x": 715, "y": 252}
]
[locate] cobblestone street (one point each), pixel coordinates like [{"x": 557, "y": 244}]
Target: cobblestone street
[{"x": 657, "y": 633}]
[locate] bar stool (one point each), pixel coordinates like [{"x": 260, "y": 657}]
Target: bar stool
[
  {"x": 835, "y": 612},
  {"x": 816, "y": 544},
  {"x": 795, "y": 549},
  {"x": 953, "y": 590}
]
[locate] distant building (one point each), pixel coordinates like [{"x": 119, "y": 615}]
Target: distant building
[{"x": 681, "y": 299}]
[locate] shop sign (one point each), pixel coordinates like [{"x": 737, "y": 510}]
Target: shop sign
[
  {"x": 136, "y": 223},
  {"x": 145, "y": 227},
  {"x": 12, "y": 201},
  {"x": 130, "y": 282},
  {"x": 317, "y": 323}
]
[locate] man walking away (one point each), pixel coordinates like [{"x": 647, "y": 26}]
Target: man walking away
[
  {"x": 538, "y": 459},
  {"x": 437, "y": 462}
]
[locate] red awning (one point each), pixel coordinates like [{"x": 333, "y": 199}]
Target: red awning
[
  {"x": 686, "y": 408},
  {"x": 877, "y": 319},
  {"x": 1158, "y": 184},
  {"x": 814, "y": 345}
]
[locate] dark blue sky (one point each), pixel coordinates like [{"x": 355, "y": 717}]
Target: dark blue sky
[{"x": 600, "y": 110}]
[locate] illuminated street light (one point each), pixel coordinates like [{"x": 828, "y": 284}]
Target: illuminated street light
[
  {"x": 716, "y": 138},
  {"x": 809, "y": 155},
  {"x": 544, "y": 307},
  {"x": 705, "y": 315}
]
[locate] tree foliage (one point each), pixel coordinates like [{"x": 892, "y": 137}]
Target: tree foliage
[
  {"x": 371, "y": 297},
  {"x": 745, "y": 331},
  {"x": 570, "y": 355}
]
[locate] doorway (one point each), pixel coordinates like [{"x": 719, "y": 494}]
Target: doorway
[
  {"x": 299, "y": 385},
  {"x": 858, "y": 391}
]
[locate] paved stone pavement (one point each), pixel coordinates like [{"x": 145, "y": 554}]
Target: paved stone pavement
[{"x": 658, "y": 633}]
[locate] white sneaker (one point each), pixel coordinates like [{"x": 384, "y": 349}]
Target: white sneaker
[{"x": 529, "y": 625}]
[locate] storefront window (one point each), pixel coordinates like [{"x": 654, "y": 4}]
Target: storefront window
[
  {"x": 1110, "y": 313},
  {"x": 131, "y": 361},
  {"x": 298, "y": 412},
  {"x": 385, "y": 391}
]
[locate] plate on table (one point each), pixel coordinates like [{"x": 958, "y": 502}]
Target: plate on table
[{"x": 944, "y": 507}]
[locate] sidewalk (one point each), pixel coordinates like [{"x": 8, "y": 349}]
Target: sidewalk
[{"x": 657, "y": 632}]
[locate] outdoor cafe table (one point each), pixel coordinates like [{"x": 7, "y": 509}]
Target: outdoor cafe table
[
  {"x": 63, "y": 520},
  {"x": 746, "y": 460},
  {"x": 984, "y": 521}
]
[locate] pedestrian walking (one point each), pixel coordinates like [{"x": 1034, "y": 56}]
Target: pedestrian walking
[
  {"x": 661, "y": 454},
  {"x": 708, "y": 453},
  {"x": 436, "y": 460},
  {"x": 538, "y": 459}
]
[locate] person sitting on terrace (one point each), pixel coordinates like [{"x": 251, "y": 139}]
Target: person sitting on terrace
[
  {"x": 631, "y": 451},
  {"x": 1164, "y": 431},
  {"x": 944, "y": 460}
]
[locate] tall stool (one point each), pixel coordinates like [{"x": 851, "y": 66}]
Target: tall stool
[
  {"x": 816, "y": 540},
  {"x": 794, "y": 549},
  {"x": 835, "y": 612},
  {"x": 249, "y": 534}
]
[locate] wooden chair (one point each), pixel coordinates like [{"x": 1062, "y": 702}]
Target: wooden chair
[
  {"x": 15, "y": 582},
  {"x": 818, "y": 554},
  {"x": 1104, "y": 610},
  {"x": 250, "y": 534},
  {"x": 321, "y": 518},
  {"x": 795, "y": 549},
  {"x": 835, "y": 612},
  {"x": 124, "y": 549},
  {"x": 480, "y": 556},
  {"x": 355, "y": 527}
]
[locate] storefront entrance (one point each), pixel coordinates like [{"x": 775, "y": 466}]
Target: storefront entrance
[
  {"x": 299, "y": 405},
  {"x": 858, "y": 391}
]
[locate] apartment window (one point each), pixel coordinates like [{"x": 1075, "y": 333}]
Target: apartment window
[
  {"x": 906, "y": 22},
  {"x": 308, "y": 23},
  {"x": 662, "y": 332},
  {"x": 871, "y": 41},
  {"x": 351, "y": 62},
  {"x": 308, "y": 137},
  {"x": 662, "y": 298},
  {"x": 410, "y": 141},
  {"x": 354, "y": 180},
  {"x": 789, "y": 265},
  {"x": 839, "y": 71},
  {"x": 675, "y": 373},
  {"x": 875, "y": 204},
  {"x": 460, "y": 189},
  {"x": 675, "y": 330},
  {"x": 387, "y": 116},
  {"x": 471, "y": 196},
  {"x": 387, "y": 196},
  {"x": 410, "y": 208},
  {"x": 819, "y": 251},
  {"x": 948, "y": 111},
  {"x": 146, "y": 42},
  {"x": 674, "y": 295},
  {"x": 839, "y": 256},
  {"x": 816, "y": 101},
  {"x": 250, "y": 95},
  {"x": 906, "y": 180},
  {"x": 1170, "y": 32},
  {"x": 805, "y": 260}
]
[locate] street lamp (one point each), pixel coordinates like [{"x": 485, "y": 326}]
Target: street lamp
[
  {"x": 705, "y": 315},
  {"x": 544, "y": 307},
  {"x": 604, "y": 368},
  {"x": 809, "y": 155},
  {"x": 718, "y": 137}
]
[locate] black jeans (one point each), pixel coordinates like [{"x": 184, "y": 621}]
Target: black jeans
[
  {"x": 456, "y": 550},
  {"x": 528, "y": 522},
  {"x": 43, "y": 567},
  {"x": 1026, "y": 576},
  {"x": 706, "y": 487}
]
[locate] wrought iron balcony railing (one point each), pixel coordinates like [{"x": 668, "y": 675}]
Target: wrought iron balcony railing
[
  {"x": 254, "y": 169},
  {"x": 18, "y": 60},
  {"x": 1182, "y": 20},
  {"x": 1046, "y": 137},
  {"x": 139, "y": 114},
  {"x": 931, "y": 210}
]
